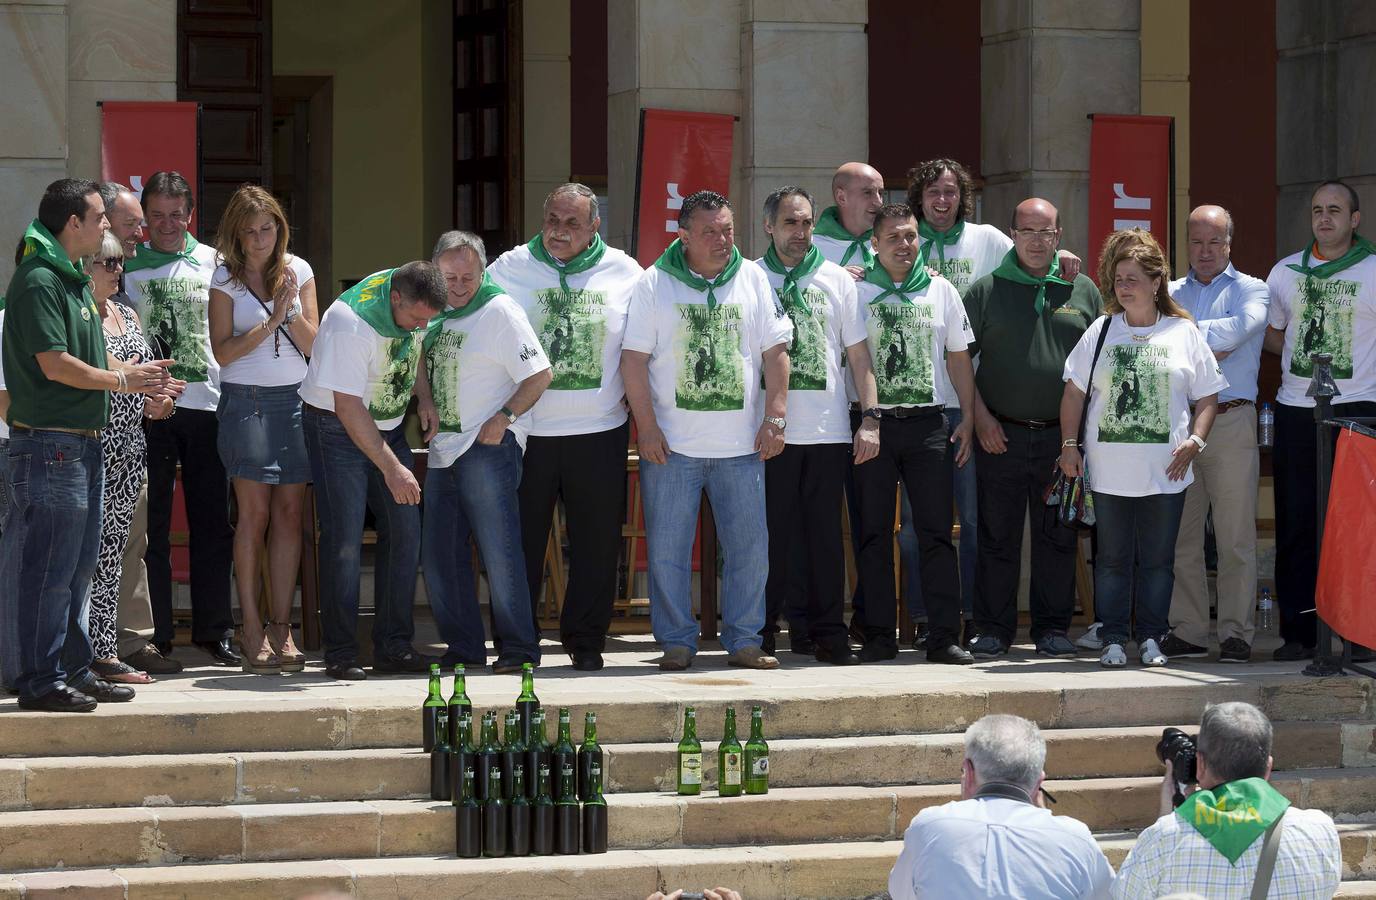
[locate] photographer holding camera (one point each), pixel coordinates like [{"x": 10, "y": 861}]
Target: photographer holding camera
[{"x": 1232, "y": 835}]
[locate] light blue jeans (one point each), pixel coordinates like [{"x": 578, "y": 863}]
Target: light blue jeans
[
  {"x": 963, "y": 482},
  {"x": 735, "y": 487}
]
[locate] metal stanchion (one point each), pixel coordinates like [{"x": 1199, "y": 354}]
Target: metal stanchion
[{"x": 1323, "y": 389}]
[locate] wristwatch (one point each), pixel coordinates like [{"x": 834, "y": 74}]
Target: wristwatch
[
  {"x": 510, "y": 416},
  {"x": 777, "y": 421},
  {"x": 1198, "y": 442},
  {"x": 872, "y": 413}
]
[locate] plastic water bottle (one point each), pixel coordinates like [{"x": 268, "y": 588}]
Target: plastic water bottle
[
  {"x": 1266, "y": 427},
  {"x": 1264, "y": 607}
]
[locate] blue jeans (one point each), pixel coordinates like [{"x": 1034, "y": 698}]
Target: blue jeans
[
  {"x": 967, "y": 503},
  {"x": 477, "y": 495},
  {"x": 48, "y": 555},
  {"x": 1144, "y": 528},
  {"x": 735, "y": 487},
  {"x": 346, "y": 484}
]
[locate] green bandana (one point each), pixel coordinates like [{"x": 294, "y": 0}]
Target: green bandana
[
  {"x": 1361, "y": 249},
  {"x": 487, "y": 289},
  {"x": 39, "y": 243},
  {"x": 150, "y": 258},
  {"x": 580, "y": 263},
  {"x": 917, "y": 281},
  {"x": 371, "y": 299},
  {"x": 791, "y": 293},
  {"x": 829, "y": 225},
  {"x": 942, "y": 239},
  {"x": 1009, "y": 270},
  {"x": 1233, "y": 815},
  {"x": 673, "y": 262}
]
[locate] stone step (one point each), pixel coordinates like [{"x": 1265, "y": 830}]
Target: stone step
[
  {"x": 279, "y": 722},
  {"x": 393, "y": 774},
  {"x": 49, "y": 839}
]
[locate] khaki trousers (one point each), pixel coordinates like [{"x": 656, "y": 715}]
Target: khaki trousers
[
  {"x": 135, "y": 612},
  {"x": 1225, "y": 478}
]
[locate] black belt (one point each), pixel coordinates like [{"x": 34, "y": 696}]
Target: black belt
[
  {"x": 318, "y": 411},
  {"x": 1034, "y": 424},
  {"x": 903, "y": 412}
]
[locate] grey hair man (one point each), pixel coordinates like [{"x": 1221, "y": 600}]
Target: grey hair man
[
  {"x": 998, "y": 840},
  {"x": 1213, "y": 841}
]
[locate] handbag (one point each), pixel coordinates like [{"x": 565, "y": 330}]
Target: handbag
[{"x": 1071, "y": 496}]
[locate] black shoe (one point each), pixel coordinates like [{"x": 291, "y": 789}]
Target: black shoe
[
  {"x": 152, "y": 661},
  {"x": 767, "y": 643},
  {"x": 163, "y": 647},
  {"x": 857, "y": 629},
  {"x": 1178, "y": 648},
  {"x": 1234, "y": 650},
  {"x": 220, "y": 651},
  {"x": 1292, "y": 651},
  {"x": 408, "y": 663},
  {"x": 64, "y": 699},
  {"x": 920, "y": 636},
  {"x": 587, "y": 661},
  {"x": 805, "y": 646},
  {"x": 950, "y": 655},
  {"x": 349, "y": 670},
  {"x": 878, "y": 651},
  {"x": 505, "y": 665},
  {"x": 968, "y": 633},
  {"x": 840, "y": 655},
  {"x": 103, "y": 691},
  {"x": 986, "y": 646}
]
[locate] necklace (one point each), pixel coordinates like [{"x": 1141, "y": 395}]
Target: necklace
[{"x": 1142, "y": 338}]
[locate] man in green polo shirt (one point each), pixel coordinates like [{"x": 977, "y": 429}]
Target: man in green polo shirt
[
  {"x": 58, "y": 373},
  {"x": 1026, "y": 319}
]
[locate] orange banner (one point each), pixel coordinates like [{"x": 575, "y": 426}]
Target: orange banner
[
  {"x": 681, "y": 153},
  {"x": 1347, "y": 567}
]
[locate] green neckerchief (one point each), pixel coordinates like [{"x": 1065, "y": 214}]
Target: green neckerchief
[
  {"x": 793, "y": 295},
  {"x": 1360, "y": 250},
  {"x": 829, "y": 225},
  {"x": 1233, "y": 815},
  {"x": 942, "y": 239},
  {"x": 150, "y": 257},
  {"x": 371, "y": 299},
  {"x": 1009, "y": 270},
  {"x": 673, "y": 262},
  {"x": 580, "y": 263},
  {"x": 487, "y": 289},
  {"x": 39, "y": 243},
  {"x": 917, "y": 281}
]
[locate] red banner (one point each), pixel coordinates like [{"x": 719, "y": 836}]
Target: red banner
[
  {"x": 1346, "y": 563},
  {"x": 1131, "y": 179},
  {"x": 138, "y": 139},
  {"x": 680, "y": 153}
]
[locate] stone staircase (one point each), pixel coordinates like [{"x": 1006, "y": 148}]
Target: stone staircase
[{"x": 205, "y": 788}]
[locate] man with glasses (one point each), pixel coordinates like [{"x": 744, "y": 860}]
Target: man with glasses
[{"x": 1026, "y": 319}]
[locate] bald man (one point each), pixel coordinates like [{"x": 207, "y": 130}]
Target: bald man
[
  {"x": 1026, "y": 319},
  {"x": 1230, "y": 309},
  {"x": 843, "y": 231}
]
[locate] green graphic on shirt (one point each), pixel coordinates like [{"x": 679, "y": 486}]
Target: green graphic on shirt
[
  {"x": 1138, "y": 404},
  {"x": 900, "y": 337},
  {"x": 1325, "y": 325},
  {"x": 573, "y": 330},
  {"x": 807, "y": 354},
  {"x": 960, "y": 271},
  {"x": 178, "y": 327},
  {"x": 393, "y": 393},
  {"x": 442, "y": 368},
  {"x": 711, "y": 375}
]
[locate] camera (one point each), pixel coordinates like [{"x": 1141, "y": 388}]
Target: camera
[{"x": 1178, "y": 747}]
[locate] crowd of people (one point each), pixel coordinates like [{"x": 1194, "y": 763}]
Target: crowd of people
[{"x": 875, "y": 349}]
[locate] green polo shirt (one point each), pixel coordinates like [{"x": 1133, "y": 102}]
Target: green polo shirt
[
  {"x": 1022, "y": 355},
  {"x": 46, "y": 311}
]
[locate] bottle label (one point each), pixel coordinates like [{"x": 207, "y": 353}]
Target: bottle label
[
  {"x": 731, "y": 771},
  {"x": 759, "y": 767},
  {"x": 690, "y": 768}
]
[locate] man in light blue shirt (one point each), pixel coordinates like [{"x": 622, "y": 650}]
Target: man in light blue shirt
[
  {"x": 998, "y": 840},
  {"x": 1230, "y": 309}
]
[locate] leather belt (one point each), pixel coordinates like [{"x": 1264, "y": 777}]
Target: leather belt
[
  {"x": 319, "y": 411},
  {"x": 92, "y": 433},
  {"x": 1034, "y": 424},
  {"x": 1230, "y": 404},
  {"x": 903, "y": 412}
]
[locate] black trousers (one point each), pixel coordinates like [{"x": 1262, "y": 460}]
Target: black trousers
[
  {"x": 803, "y": 487},
  {"x": 1295, "y": 464},
  {"x": 1010, "y": 485},
  {"x": 190, "y": 436},
  {"x": 915, "y": 450},
  {"x": 589, "y": 472}
]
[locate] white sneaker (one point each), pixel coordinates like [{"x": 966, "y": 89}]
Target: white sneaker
[
  {"x": 1090, "y": 640},
  {"x": 1151, "y": 653},
  {"x": 1113, "y": 657}
]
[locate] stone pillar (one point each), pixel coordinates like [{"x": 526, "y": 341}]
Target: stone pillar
[
  {"x": 545, "y": 141},
  {"x": 1046, "y": 65},
  {"x": 1325, "y": 109}
]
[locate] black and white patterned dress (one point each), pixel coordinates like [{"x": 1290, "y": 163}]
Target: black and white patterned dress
[{"x": 124, "y": 453}]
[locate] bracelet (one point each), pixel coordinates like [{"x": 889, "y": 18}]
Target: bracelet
[
  {"x": 121, "y": 382},
  {"x": 1069, "y": 442}
]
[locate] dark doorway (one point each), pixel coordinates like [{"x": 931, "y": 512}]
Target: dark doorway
[{"x": 302, "y": 162}]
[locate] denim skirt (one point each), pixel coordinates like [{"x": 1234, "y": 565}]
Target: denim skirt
[{"x": 260, "y": 437}]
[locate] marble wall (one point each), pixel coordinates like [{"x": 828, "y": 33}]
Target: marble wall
[{"x": 546, "y": 149}]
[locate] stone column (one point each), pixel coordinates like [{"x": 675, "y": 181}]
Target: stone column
[
  {"x": 1046, "y": 65},
  {"x": 545, "y": 141}
]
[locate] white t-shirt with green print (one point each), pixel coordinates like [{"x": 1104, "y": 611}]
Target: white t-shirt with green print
[
  {"x": 909, "y": 339},
  {"x": 348, "y": 356},
  {"x": 977, "y": 252},
  {"x": 173, "y": 302},
  {"x": 1339, "y": 319}
]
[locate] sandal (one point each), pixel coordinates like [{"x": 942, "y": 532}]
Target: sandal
[
  {"x": 259, "y": 660},
  {"x": 292, "y": 660},
  {"x": 120, "y": 672}
]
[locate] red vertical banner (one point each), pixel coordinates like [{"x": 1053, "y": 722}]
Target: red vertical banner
[
  {"x": 1131, "y": 179},
  {"x": 680, "y": 153},
  {"x": 138, "y": 139},
  {"x": 1346, "y": 563}
]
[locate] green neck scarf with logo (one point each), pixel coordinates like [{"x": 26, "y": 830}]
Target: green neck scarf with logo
[
  {"x": 673, "y": 262},
  {"x": 940, "y": 239},
  {"x": 1233, "y": 815},
  {"x": 1360, "y": 250},
  {"x": 149, "y": 257},
  {"x": 915, "y": 283},
  {"x": 1009, "y": 270},
  {"x": 39, "y": 244},
  {"x": 580, "y": 263},
  {"x": 829, "y": 225},
  {"x": 792, "y": 294},
  {"x": 371, "y": 299},
  {"x": 487, "y": 289}
]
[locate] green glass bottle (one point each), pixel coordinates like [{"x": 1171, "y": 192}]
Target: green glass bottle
[
  {"x": 563, "y": 755},
  {"x": 595, "y": 813},
  {"x": 432, "y": 710},
  {"x": 495, "y": 819},
  {"x": 462, "y": 758},
  {"x": 756, "y": 761},
  {"x": 566, "y": 813},
  {"x": 689, "y": 776},
  {"x": 729, "y": 777},
  {"x": 542, "y": 815},
  {"x": 458, "y": 705},
  {"x": 527, "y": 702},
  {"x": 589, "y": 754},
  {"x": 518, "y": 813},
  {"x": 537, "y": 750},
  {"x": 440, "y": 786},
  {"x": 468, "y": 824},
  {"x": 513, "y": 751},
  {"x": 489, "y": 756}
]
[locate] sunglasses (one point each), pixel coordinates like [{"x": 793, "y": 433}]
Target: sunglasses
[{"x": 112, "y": 264}]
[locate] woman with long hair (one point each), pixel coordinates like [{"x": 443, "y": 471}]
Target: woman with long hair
[{"x": 263, "y": 321}]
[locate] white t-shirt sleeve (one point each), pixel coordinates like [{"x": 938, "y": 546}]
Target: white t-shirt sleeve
[
  {"x": 1205, "y": 375},
  {"x": 959, "y": 336},
  {"x": 1278, "y": 313},
  {"x": 852, "y": 318},
  {"x": 522, "y": 354},
  {"x": 344, "y": 361},
  {"x": 1078, "y": 362},
  {"x": 775, "y": 326},
  {"x": 641, "y": 325},
  {"x": 303, "y": 272}
]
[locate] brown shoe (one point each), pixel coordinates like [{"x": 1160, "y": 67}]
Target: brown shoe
[
  {"x": 279, "y": 636},
  {"x": 676, "y": 659},
  {"x": 752, "y": 658},
  {"x": 258, "y": 658}
]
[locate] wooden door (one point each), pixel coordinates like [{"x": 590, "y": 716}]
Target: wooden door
[{"x": 487, "y": 126}]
